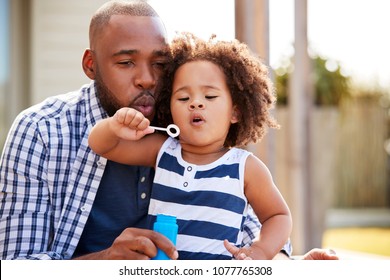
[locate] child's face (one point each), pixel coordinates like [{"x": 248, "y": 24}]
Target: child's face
[{"x": 201, "y": 104}]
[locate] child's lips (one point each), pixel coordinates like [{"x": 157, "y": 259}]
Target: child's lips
[
  {"x": 197, "y": 119},
  {"x": 197, "y": 123}
]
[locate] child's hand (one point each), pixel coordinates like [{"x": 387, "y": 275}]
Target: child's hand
[
  {"x": 130, "y": 124},
  {"x": 238, "y": 254}
]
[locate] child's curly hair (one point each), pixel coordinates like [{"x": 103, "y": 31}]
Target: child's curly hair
[{"x": 246, "y": 77}]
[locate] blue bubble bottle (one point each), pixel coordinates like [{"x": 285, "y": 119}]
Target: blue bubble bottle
[{"x": 167, "y": 226}]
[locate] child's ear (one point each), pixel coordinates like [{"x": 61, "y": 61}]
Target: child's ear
[{"x": 235, "y": 115}]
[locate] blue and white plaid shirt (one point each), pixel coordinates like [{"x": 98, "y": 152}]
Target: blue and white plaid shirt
[{"x": 49, "y": 178}]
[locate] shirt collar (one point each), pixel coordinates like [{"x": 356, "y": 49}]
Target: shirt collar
[{"x": 95, "y": 108}]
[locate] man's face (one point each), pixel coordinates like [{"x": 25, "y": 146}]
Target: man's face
[{"x": 128, "y": 58}]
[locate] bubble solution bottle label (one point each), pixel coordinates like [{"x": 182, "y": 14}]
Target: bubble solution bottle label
[{"x": 167, "y": 226}]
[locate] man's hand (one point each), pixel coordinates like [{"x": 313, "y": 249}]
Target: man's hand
[
  {"x": 135, "y": 244},
  {"x": 320, "y": 254},
  {"x": 313, "y": 254}
]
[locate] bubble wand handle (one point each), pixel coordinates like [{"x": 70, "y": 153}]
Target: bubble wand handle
[{"x": 172, "y": 130}]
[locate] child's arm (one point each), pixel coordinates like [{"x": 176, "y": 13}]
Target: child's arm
[
  {"x": 270, "y": 208},
  {"x": 121, "y": 138}
]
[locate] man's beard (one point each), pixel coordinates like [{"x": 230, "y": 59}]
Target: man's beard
[
  {"x": 106, "y": 97},
  {"x": 111, "y": 104}
]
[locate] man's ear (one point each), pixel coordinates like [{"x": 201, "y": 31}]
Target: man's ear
[
  {"x": 88, "y": 64},
  {"x": 235, "y": 115}
]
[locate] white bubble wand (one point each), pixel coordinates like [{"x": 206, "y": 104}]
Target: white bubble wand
[{"x": 172, "y": 130}]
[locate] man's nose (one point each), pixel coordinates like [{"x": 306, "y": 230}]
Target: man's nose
[{"x": 146, "y": 78}]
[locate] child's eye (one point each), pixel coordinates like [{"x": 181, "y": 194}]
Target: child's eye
[
  {"x": 183, "y": 99},
  {"x": 211, "y": 96}
]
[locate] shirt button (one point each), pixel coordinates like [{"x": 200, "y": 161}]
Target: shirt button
[
  {"x": 189, "y": 168},
  {"x": 143, "y": 179},
  {"x": 83, "y": 208},
  {"x": 185, "y": 184},
  {"x": 99, "y": 163},
  {"x": 143, "y": 195}
]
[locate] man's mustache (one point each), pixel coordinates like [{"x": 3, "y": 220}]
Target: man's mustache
[{"x": 144, "y": 93}]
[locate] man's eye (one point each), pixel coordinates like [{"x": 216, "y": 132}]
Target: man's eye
[
  {"x": 126, "y": 62},
  {"x": 159, "y": 65}
]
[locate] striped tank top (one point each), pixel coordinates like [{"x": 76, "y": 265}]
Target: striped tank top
[{"x": 208, "y": 200}]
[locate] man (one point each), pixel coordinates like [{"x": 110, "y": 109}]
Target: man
[{"x": 58, "y": 199}]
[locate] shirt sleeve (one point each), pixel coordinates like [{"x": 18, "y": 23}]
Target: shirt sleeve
[
  {"x": 252, "y": 228},
  {"x": 25, "y": 208}
]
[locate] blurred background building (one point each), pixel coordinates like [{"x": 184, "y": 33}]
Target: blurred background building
[{"x": 330, "y": 159}]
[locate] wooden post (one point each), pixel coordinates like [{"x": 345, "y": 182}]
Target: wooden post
[{"x": 299, "y": 126}]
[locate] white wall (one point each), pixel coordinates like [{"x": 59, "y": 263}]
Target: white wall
[{"x": 59, "y": 36}]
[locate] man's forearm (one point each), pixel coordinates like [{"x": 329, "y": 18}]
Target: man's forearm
[
  {"x": 102, "y": 255},
  {"x": 281, "y": 256}
]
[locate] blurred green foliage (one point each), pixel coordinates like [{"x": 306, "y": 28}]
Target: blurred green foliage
[{"x": 330, "y": 85}]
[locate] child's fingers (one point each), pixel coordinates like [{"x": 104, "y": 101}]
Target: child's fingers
[
  {"x": 231, "y": 248},
  {"x": 120, "y": 115},
  {"x": 235, "y": 251},
  {"x": 132, "y": 118},
  {"x": 142, "y": 133}
]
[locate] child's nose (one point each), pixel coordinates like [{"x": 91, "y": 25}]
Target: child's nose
[{"x": 196, "y": 104}]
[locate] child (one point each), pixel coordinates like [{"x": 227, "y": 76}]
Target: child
[{"x": 219, "y": 95}]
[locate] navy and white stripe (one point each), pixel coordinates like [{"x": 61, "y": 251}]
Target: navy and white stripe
[{"x": 208, "y": 200}]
